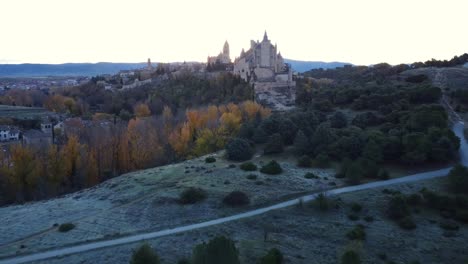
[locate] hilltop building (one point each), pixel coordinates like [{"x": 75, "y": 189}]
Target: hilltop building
[
  {"x": 222, "y": 58},
  {"x": 263, "y": 66}
]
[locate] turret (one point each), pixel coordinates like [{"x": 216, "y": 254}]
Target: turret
[
  {"x": 265, "y": 36},
  {"x": 226, "y": 49}
]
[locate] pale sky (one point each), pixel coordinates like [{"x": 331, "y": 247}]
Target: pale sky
[{"x": 356, "y": 31}]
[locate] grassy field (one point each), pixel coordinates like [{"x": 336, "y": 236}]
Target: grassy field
[{"x": 21, "y": 112}]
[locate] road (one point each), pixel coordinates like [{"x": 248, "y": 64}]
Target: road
[{"x": 457, "y": 128}]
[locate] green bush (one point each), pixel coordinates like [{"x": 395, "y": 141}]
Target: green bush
[
  {"x": 66, "y": 227},
  {"x": 218, "y": 250},
  {"x": 252, "y": 177},
  {"x": 274, "y": 256},
  {"x": 353, "y": 217},
  {"x": 462, "y": 216},
  {"x": 145, "y": 255},
  {"x": 311, "y": 175},
  {"x": 274, "y": 144},
  {"x": 183, "y": 261},
  {"x": 272, "y": 168},
  {"x": 350, "y": 257},
  {"x": 192, "y": 195},
  {"x": 407, "y": 223},
  {"x": 357, "y": 233},
  {"x": 248, "y": 166},
  {"x": 236, "y": 198},
  {"x": 210, "y": 159},
  {"x": 322, "y": 161},
  {"x": 369, "y": 218},
  {"x": 383, "y": 174},
  {"x": 414, "y": 199},
  {"x": 356, "y": 207},
  {"x": 449, "y": 225},
  {"x": 239, "y": 150},
  {"x": 398, "y": 208},
  {"x": 458, "y": 179},
  {"x": 304, "y": 162},
  {"x": 322, "y": 202}
]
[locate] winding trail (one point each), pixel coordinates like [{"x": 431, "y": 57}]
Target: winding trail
[{"x": 457, "y": 128}]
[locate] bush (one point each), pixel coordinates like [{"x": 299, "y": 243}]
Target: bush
[
  {"x": 183, "y": 261},
  {"x": 66, "y": 227},
  {"x": 252, "y": 177},
  {"x": 369, "y": 218},
  {"x": 354, "y": 173},
  {"x": 383, "y": 174},
  {"x": 398, "y": 208},
  {"x": 310, "y": 175},
  {"x": 236, "y": 198},
  {"x": 322, "y": 161},
  {"x": 304, "y": 161},
  {"x": 357, "y": 233},
  {"x": 274, "y": 144},
  {"x": 248, "y": 166},
  {"x": 144, "y": 255},
  {"x": 407, "y": 223},
  {"x": 462, "y": 216},
  {"x": 449, "y": 225},
  {"x": 239, "y": 150},
  {"x": 353, "y": 217},
  {"x": 458, "y": 179},
  {"x": 218, "y": 250},
  {"x": 350, "y": 257},
  {"x": 322, "y": 202},
  {"x": 210, "y": 159},
  {"x": 272, "y": 168},
  {"x": 414, "y": 199},
  {"x": 192, "y": 195},
  {"x": 274, "y": 256},
  {"x": 356, "y": 207}
]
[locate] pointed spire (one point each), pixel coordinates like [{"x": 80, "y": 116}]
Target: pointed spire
[{"x": 265, "y": 36}]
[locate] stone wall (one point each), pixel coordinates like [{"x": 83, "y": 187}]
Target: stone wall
[{"x": 278, "y": 96}]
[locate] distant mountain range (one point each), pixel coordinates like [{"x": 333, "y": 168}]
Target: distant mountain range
[
  {"x": 303, "y": 66},
  {"x": 66, "y": 69},
  {"x": 93, "y": 69}
]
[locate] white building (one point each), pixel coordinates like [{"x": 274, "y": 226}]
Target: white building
[{"x": 9, "y": 133}]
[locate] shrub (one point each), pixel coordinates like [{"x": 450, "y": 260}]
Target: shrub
[
  {"x": 458, "y": 179},
  {"x": 192, "y": 195},
  {"x": 353, "y": 217},
  {"x": 218, "y": 250},
  {"x": 322, "y": 202},
  {"x": 145, "y": 255},
  {"x": 274, "y": 144},
  {"x": 449, "y": 225},
  {"x": 252, "y": 177},
  {"x": 274, "y": 256},
  {"x": 356, "y": 207},
  {"x": 383, "y": 174},
  {"x": 322, "y": 161},
  {"x": 239, "y": 150},
  {"x": 183, "y": 261},
  {"x": 462, "y": 216},
  {"x": 350, "y": 257},
  {"x": 304, "y": 161},
  {"x": 272, "y": 168},
  {"x": 407, "y": 223},
  {"x": 66, "y": 227},
  {"x": 210, "y": 159},
  {"x": 354, "y": 173},
  {"x": 369, "y": 218},
  {"x": 248, "y": 166},
  {"x": 398, "y": 207},
  {"x": 414, "y": 199},
  {"x": 357, "y": 233},
  {"x": 236, "y": 198},
  {"x": 310, "y": 175}
]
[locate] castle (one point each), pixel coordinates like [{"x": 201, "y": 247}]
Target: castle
[{"x": 263, "y": 66}]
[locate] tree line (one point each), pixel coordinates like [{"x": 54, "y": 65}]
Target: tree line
[{"x": 88, "y": 155}]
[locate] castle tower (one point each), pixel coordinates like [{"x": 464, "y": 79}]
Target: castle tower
[
  {"x": 149, "y": 66},
  {"x": 226, "y": 49}
]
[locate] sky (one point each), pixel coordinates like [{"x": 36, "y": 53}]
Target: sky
[{"x": 356, "y": 31}]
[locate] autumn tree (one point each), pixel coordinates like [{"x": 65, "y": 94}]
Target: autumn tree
[
  {"x": 55, "y": 168},
  {"x": 142, "y": 110},
  {"x": 72, "y": 159},
  {"x": 24, "y": 171}
]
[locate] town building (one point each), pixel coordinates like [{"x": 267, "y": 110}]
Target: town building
[
  {"x": 222, "y": 58},
  {"x": 9, "y": 133}
]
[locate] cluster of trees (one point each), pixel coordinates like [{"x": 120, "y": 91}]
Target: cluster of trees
[
  {"x": 218, "y": 250},
  {"x": 89, "y": 155},
  {"x": 402, "y": 125}
]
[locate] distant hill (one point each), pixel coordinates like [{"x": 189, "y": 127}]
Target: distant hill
[
  {"x": 303, "y": 66},
  {"x": 67, "y": 69}
]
